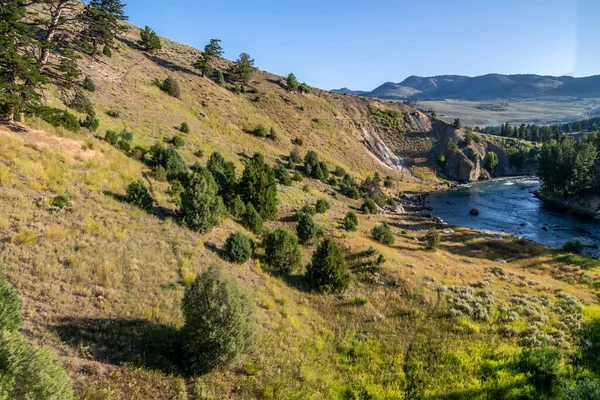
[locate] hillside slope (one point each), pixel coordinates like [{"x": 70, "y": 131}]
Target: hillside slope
[{"x": 102, "y": 281}]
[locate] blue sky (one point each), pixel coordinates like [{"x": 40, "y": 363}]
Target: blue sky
[{"x": 361, "y": 44}]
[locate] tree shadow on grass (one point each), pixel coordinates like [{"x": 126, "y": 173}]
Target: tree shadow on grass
[
  {"x": 122, "y": 341},
  {"x": 159, "y": 212},
  {"x": 170, "y": 65}
]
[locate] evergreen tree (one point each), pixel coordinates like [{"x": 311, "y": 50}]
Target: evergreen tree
[
  {"x": 149, "y": 40},
  {"x": 282, "y": 252},
  {"x": 457, "y": 124},
  {"x": 20, "y": 77},
  {"x": 327, "y": 272},
  {"x": 212, "y": 51},
  {"x": 200, "y": 206},
  {"x": 101, "y": 21},
  {"x": 292, "y": 83},
  {"x": 252, "y": 219},
  {"x": 306, "y": 229},
  {"x": 244, "y": 68},
  {"x": 259, "y": 187}
]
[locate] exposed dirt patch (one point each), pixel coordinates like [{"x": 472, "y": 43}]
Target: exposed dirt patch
[{"x": 74, "y": 148}]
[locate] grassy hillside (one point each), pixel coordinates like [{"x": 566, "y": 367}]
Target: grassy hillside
[{"x": 102, "y": 281}]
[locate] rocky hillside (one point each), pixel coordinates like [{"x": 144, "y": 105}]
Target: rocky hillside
[{"x": 486, "y": 87}]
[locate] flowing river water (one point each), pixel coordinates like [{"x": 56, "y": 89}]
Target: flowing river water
[{"x": 509, "y": 205}]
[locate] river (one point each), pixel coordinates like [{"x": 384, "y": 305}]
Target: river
[{"x": 508, "y": 205}]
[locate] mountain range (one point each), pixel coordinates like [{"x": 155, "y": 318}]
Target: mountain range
[{"x": 485, "y": 87}]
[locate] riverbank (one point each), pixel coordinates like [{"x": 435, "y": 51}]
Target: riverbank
[{"x": 585, "y": 205}]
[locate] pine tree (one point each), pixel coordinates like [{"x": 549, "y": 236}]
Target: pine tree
[
  {"x": 258, "y": 186},
  {"x": 211, "y": 51},
  {"x": 292, "y": 83},
  {"x": 149, "y": 40},
  {"x": 327, "y": 273},
  {"x": 102, "y": 21},
  {"x": 200, "y": 207},
  {"x": 20, "y": 77},
  {"x": 244, "y": 68}
]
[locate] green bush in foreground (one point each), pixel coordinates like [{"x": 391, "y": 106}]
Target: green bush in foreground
[
  {"x": 28, "y": 372},
  {"x": 184, "y": 128},
  {"x": 138, "y": 195},
  {"x": 238, "y": 248},
  {"x": 322, "y": 206},
  {"x": 351, "y": 222},
  {"x": 10, "y": 307},
  {"x": 369, "y": 206},
  {"x": 327, "y": 272},
  {"x": 383, "y": 234},
  {"x": 282, "y": 252},
  {"x": 220, "y": 322},
  {"x": 200, "y": 207},
  {"x": 171, "y": 87}
]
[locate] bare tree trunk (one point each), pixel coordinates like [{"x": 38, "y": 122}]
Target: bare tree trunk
[{"x": 52, "y": 28}]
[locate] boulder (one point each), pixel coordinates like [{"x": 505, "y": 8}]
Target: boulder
[
  {"x": 474, "y": 212},
  {"x": 460, "y": 168}
]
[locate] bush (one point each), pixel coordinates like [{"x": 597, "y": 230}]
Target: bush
[
  {"x": 541, "y": 366},
  {"x": 339, "y": 171},
  {"x": 370, "y": 207},
  {"x": 10, "y": 307},
  {"x": 310, "y": 210},
  {"x": 138, "y": 195},
  {"x": 297, "y": 177},
  {"x": 388, "y": 182},
  {"x": 252, "y": 219},
  {"x": 327, "y": 272},
  {"x": 61, "y": 201},
  {"x": 298, "y": 142},
  {"x": 113, "y": 113},
  {"x": 90, "y": 122},
  {"x": 220, "y": 321},
  {"x": 383, "y": 234},
  {"x": 184, "y": 128},
  {"x": 258, "y": 186},
  {"x": 56, "y": 117},
  {"x": 283, "y": 176},
  {"x": 82, "y": 103},
  {"x": 28, "y": 372},
  {"x": 295, "y": 156},
  {"x": 88, "y": 84},
  {"x": 237, "y": 208},
  {"x": 111, "y": 137},
  {"x": 282, "y": 252},
  {"x": 306, "y": 229},
  {"x": 171, "y": 87},
  {"x": 238, "y": 248},
  {"x": 200, "y": 208},
  {"x": 260, "y": 131},
  {"x": 167, "y": 158},
  {"x": 491, "y": 161},
  {"x": 107, "y": 51},
  {"x": 432, "y": 239},
  {"x": 272, "y": 135},
  {"x": 304, "y": 88},
  {"x": 351, "y": 222},
  {"x": 573, "y": 246},
  {"x": 177, "y": 142},
  {"x": 322, "y": 206}
]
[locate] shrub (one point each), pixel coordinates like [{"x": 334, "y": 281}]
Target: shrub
[
  {"x": 283, "y": 176},
  {"x": 177, "y": 142},
  {"x": 322, "y": 206},
  {"x": 90, "y": 122},
  {"x": 171, "y": 87},
  {"x": 200, "y": 208},
  {"x": 61, "y": 201},
  {"x": 113, "y": 113},
  {"x": 295, "y": 156},
  {"x": 310, "y": 210},
  {"x": 541, "y": 366},
  {"x": 237, "y": 208},
  {"x": 138, "y": 195},
  {"x": 252, "y": 219},
  {"x": 292, "y": 82},
  {"x": 432, "y": 239},
  {"x": 297, "y": 177},
  {"x": 327, "y": 272},
  {"x": 452, "y": 146},
  {"x": 220, "y": 321},
  {"x": 238, "y": 248},
  {"x": 29, "y": 372},
  {"x": 184, "y": 128},
  {"x": 583, "y": 391},
  {"x": 369, "y": 206},
  {"x": 351, "y": 222},
  {"x": 304, "y": 88},
  {"x": 573, "y": 246},
  {"x": 491, "y": 161},
  {"x": 167, "y": 158},
  {"x": 272, "y": 135},
  {"x": 111, "y": 137},
  {"x": 258, "y": 186},
  {"x": 339, "y": 171},
  {"x": 260, "y": 131},
  {"x": 383, "y": 234},
  {"x": 56, "y": 117},
  {"x": 88, "y": 84},
  {"x": 306, "y": 229},
  {"x": 199, "y": 153},
  {"x": 82, "y": 103},
  {"x": 388, "y": 182},
  {"x": 10, "y": 307},
  {"x": 107, "y": 51},
  {"x": 282, "y": 252},
  {"x": 298, "y": 142}
]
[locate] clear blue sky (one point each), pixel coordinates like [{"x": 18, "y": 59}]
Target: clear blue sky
[{"x": 361, "y": 44}]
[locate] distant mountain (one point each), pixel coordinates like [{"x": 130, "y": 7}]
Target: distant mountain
[{"x": 486, "y": 87}]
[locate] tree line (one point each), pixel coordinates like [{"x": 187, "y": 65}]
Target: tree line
[{"x": 544, "y": 133}]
